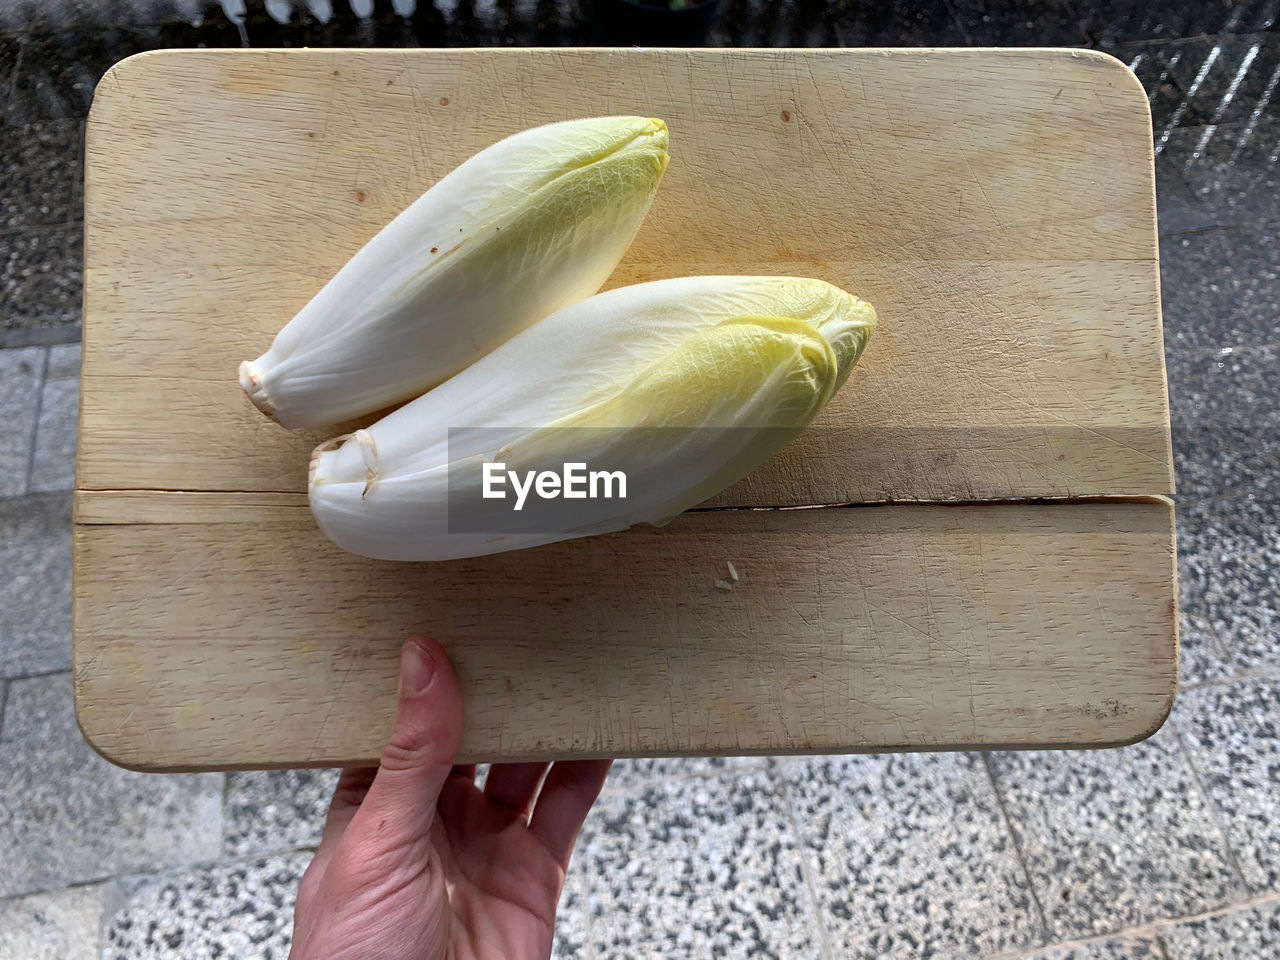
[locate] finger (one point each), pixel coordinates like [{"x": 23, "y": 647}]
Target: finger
[
  {"x": 514, "y": 785},
  {"x": 566, "y": 798},
  {"x": 353, "y": 784},
  {"x": 465, "y": 770},
  {"x": 398, "y": 810}
]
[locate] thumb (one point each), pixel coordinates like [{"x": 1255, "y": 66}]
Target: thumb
[{"x": 400, "y": 807}]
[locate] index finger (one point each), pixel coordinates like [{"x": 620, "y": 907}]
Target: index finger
[{"x": 570, "y": 789}]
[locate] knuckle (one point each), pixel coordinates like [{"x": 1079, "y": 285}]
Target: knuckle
[{"x": 398, "y": 755}]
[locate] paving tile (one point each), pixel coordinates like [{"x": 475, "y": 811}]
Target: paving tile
[
  {"x": 1207, "y": 78},
  {"x": 912, "y": 857},
  {"x": 1011, "y": 23},
  {"x": 1170, "y": 110},
  {"x": 432, "y": 30},
  {"x": 475, "y": 24},
  {"x": 1200, "y": 655},
  {"x": 1228, "y": 554},
  {"x": 1235, "y": 388},
  {"x": 627, "y": 774},
  {"x": 1179, "y": 210},
  {"x": 53, "y": 461},
  {"x": 272, "y": 810},
  {"x": 1220, "y": 289},
  {"x": 695, "y": 868},
  {"x": 1252, "y": 931},
  {"x": 225, "y": 910},
  {"x": 60, "y": 925},
  {"x": 1213, "y": 461},
  {"x": 59, "y": 70},
  {"x": 896, "y": 23},
  {"x": 803, "y": 23},
  {"x": 799, "y": 23},
  {"x": 1228, "y": 519},
  {"x": 1232, "y": 733},
  {"x": 554, "y": 27},
  {"x": 40, "y": 286},
  {"x": 1233, "y": 73},
  {"x": 20, "y": 373},
  {"x": 1205, "y": 654},
  {"x": 1215, "y": 142},
  {"x": 572, "y": 932},
  {"x": 1118, "y": 25},
  {"x": 734, "y": 22},
  {"x": 1228, "y": 180},
  {"x": 1115, "y": 838},
  {"x": 9, "y": 50},
  {"x": 1230, "y": 169},
  {"x": 211, "y": 27},
  {"x": 1111, "y": 22},
  {"x": 1238, "y": 79},
  {"x": 35, "y": 585},
  {"x": 32, "y": 16},
  {"x": 64, "y": 362},
  {"x": 1129, "y": 947},
  {"x": 43, "y": 16},
  {"x": 40, "y": 174},
  {"x": 72, "y": 817}
]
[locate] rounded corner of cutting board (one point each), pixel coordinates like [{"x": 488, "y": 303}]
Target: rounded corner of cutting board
[
  {"x": 1145, "y": 725},
  {"x": 121, "y": 752},
  {"x": 1125, "y": 79},
  {"x": 119, "y": 75}
]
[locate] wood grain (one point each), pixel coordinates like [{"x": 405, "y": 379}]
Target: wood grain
[
  {"x": 860, "y": 628},
  {"x": 996, "y": 206}
]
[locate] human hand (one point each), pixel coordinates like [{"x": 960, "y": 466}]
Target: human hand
[{"x": 417, "y": 862}]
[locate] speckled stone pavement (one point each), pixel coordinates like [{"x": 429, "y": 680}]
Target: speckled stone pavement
[{"x": 1169, "y": 849}]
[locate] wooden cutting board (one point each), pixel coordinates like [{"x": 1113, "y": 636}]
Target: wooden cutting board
[{"x": 993, "y": 562}]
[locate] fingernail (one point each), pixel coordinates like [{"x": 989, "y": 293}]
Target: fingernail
[{"x": 417, "y": 667}]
